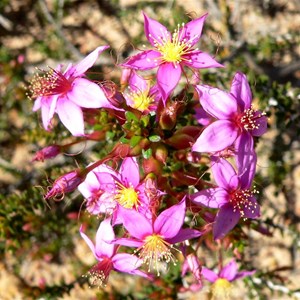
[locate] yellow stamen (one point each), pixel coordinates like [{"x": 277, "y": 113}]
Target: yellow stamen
[
  {"x": 221, "y": 289},
  {"x": 141, "y": 100},
  {"x": 155, "y": 251},
  {"x": 127, "y": 196}
]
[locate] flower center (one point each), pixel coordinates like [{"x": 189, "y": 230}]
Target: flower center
[
  {"x": 154, "y": 251},
  {"x": 127, "y": 196},
  {"x": 141, "y": 100},
  {"x": 241, "y": 200},
  {"x": 48, "y": 84},
  {"x": 249, "y": 119},
  {"x": 98, "y": 275},
  {"x": 221, "y": 289},
  {"x": 174, "y": 49}
]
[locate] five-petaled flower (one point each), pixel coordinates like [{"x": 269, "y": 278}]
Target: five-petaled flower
[
  {"x": 155, "y": 239},
  {"x": 66, "y": 92},
  {"x": 108, "y": 259},
  {"x": 171, "y": 52},
  {"x": 234, "y": 113},
  {"x": 233, "y": 196},
  {"x": 222, "y": 281}
]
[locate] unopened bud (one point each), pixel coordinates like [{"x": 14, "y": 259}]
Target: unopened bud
[
  {"x": 47, "y": 153},
  {"x": 152, "y": 165},
  {"x": 160, "y": 152},
  {"x": 65, "y": 184},
  {"x": 180, "y": 141},
  {"x": 168, "y": 117}
]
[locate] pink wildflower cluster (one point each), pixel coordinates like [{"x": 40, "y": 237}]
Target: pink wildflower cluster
[{"x": 151, "y": 182}]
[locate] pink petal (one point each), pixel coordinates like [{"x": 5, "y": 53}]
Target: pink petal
[
  {"x": 202, "y": 116},
  {"x": 129, "y": 171},
  {"x": 170, "y": 221},
  {"x": 243, "y": 274},
  {"x": 125, "y": 262},
  {"x": 216, "y": 137},
  {"x": 252, "y": 210},
  {"x": 155, "y": 32},
  {"x": 209, "y": 274},
  {"x": 217, "y": 103},
  {"x": 240, "y": 89},
  {"x": 200, "y": 60},
  {"x": 131, "y": 218},
  {"x": 88, "y": 241},
  {"x": 213, "y": 197},
  {"x": 105, "y": 234},
  {"x": 86, "y": 93},
  {"x": 137, "y": 83},
  {"x": 90, "y": 185},
  {"x": 168, "y": 76},
  {"x": 79, "y": 69},
  {"x": 48, "y": 105},
  {"x": 71, "y": 116},
  {"x": 229, "y": 271},
  {"x": 37, "y": 103},
  {"x": 184, "y": 234},
  {"x": 129, "y": 242},
  {"x": 143, "y": 61},
  {"x": 224, "y": 174},
  {"x": 262, "y": 123},
  {"x": 226, "y": 219},
  {"x": 191, "y": 32}
]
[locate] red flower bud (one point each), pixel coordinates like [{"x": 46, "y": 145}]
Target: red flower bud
[
  {"x": 47, "y": 152},
  {"x": 168, "y": 117},
  {"x": 152, "y": 165}
]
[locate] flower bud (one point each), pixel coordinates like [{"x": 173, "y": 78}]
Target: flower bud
[
  {"x": 168, "y": 117},
  {"x": 180, "y": 141},
  {"x": 160, "y": 152},
  {"x": 65, "y": 184},
  {"x": 152, "y": 165},
  {"x": 47, "y": 153}
]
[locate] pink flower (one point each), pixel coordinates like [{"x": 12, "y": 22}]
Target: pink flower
[
  {"x": 47, "y": 153},
  {"x": 233, "y": 196},
  {"x": 234, "y": 113},
  {"x": 192, "y": 264},
  {"x": 141, "y": 96},
  {"x": 155, "y": 239},
  {"x": 66, "y": 92},
  {"x": 108, "y": 259},
  {"x": 106, "y": 189},
  {"x": 171, "y": 53},
  {"x": 222, "y": 281}
]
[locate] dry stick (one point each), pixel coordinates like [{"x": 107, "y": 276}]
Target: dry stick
[{"x": 57, "y": 28}]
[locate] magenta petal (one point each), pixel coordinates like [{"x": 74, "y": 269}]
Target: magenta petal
[
  {"x": 262, "y": 123},
  {"x": 48, "y": 105},
  {"x": 168, "y": 76},
  {"x": 225, "y": 220},
  {"x": 243, "y": 274},
  {"x": 37, "y": 103},
  {"x": 128, "y": 242},
  {"x": 224, "y": 174},
  {"x": 71, "y": 116},
  {"x": 105, "y": 233},
  {"x": 209, "y": 275},
  {"x": 86, "y": 93},
  {"x": 137, "y": 83},
  {"x": 216, "y": 137},
  {"x": 245, "y": 159},
  {"x": 87, "y": 62},
  {"x": 191, "y": 32},
  {"x": 129, "y": 171},
  {"x": 125, "y": 262},
  {"x": 184, "y": 234},
  {"x": 229, "y": 271},
  {"x": 200, "y": 60},
  {"x": 143, "y": 61},
  {"x": 253, "y": 209},
  {"x": 217, "y": 103},
  {"x": 169, "y": 222},
  {"x": 154, "y": 31},
  {"x": 131, "y": 218},
  {"x": 213, "y": 198},
  {"x": 240, "y": 89}
]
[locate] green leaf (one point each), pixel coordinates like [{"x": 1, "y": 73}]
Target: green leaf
[
  {"x": 131, "y": 116},
  {"x": 147, "y": 154},
  {"x": 154, "y": 138},
  {"x": 134, "y": 141}
]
